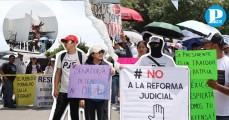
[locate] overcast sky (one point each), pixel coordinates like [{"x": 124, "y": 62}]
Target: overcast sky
[{"x": 37, "y": 8}]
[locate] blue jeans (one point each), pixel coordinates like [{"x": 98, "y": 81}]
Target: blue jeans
[
  {"x": 115, "y": 86},
  {"x": 222, "y": 117},
  {"x": 8, "y": 93}
]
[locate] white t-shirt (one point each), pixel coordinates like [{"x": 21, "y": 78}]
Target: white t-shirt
[
  {"x": 222, "y": 100},
  {"x": 48, "y": 70},
  {"x": 68, "y": 60},
  {"x": 34, "y": 69},
  {"x": 165, "y": 61},
  {"x": 20, "y": 66}
]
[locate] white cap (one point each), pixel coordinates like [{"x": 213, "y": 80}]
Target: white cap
[
  {"x": 155, "y": 39},
  {"x": 208, "y": 38},
  {"x": 215, "y": 38},
  {"x": 95, "y": 49},
  {"x": 52, "y": 59}
]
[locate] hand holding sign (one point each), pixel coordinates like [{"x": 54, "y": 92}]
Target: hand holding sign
[
  {"x": 212, "y": 83},
  {"x": 112, "y": 71},
  {"x": 158, "y": 112},
  {"x": 74, "y": 65}
]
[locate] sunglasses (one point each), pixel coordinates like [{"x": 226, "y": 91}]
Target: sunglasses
[{"x": 101, "y": 51}]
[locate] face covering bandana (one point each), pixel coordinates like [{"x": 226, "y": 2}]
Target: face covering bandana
[{"x": 156, "y": 49}]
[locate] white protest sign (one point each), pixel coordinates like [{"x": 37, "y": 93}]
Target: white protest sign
[
  {"x": 154, "y": 93},
  {"x": 43, "y": 91},
  {"x": 110, "y": 14}
]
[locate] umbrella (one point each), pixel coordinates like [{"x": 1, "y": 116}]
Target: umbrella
[
  {"x": 198, "y": 27},
  {"x": 134, "y": 36},
  {"x": 4, "y": 53},
  {"x": 128, "y": 14},
  {"x": 187, "y": 42},
  {"x": 44, "y": 38},
  {"x": 164, "y": 29}
]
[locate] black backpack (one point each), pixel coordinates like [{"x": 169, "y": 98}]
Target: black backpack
[{"x": 79, "y": 55}]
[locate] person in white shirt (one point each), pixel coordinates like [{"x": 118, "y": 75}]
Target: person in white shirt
[
  {"x": 156, "y": 57},
  {"x": 33, "y": 67},
  {"x": 216, "y": 42},
  {"x": 226, "y": 50},
  {"x": 49, "y": 69},
  {"x": 71, "y": 57},
  {"x": 20, "y": 64}
]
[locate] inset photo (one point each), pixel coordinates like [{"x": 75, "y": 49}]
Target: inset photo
[{"x": 30, "y": 27}]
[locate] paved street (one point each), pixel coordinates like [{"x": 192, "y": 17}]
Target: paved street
[{"x": 31, "y": 113}]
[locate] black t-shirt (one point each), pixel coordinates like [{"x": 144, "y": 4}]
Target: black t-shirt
[{"x": 9, "y": 68}]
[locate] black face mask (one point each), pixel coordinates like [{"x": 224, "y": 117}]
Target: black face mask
[{"x": 156, "y": 49}]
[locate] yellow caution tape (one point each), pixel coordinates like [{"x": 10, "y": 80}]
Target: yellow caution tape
[{"x": 26, "y": 75}]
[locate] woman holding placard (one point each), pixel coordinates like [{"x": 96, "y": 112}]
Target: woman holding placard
[{"x": 95, "y": 57}]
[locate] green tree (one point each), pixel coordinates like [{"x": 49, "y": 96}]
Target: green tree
[
  {"x": 51, "y": 54},
  {"x": 164, "y": 11}
]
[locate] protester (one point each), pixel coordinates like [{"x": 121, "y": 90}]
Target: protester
[
  {"x": 33, "y": 67},
  {"x": 122, "y": 47},
  {"x": 132, "y": 46},
  {"x": 213, "y": 84},
  {"x": 8, "y": 68},
  {"x": 20, "y": 64},
  {"x": 42, "y": 46},
  {"x": 146, "y": 37},
  {"x": 64, "y": 62},
  {"x": 216, "y": 42},
  {"x": 96, "y": 55},
  {"x": 226, "y": 50},
  {"x": 49, "y": 69},
  {"x": 174, "y": 47},
  {"x": 142, "y": 48},
  {"x": 156, "y": 57},
  {"x": 195, "y": 46},
  {"x": 114, "y": 84},
  {"x": 166, "y": 49}
]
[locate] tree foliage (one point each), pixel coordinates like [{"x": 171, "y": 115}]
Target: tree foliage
[
  {"x": 81, "y": 46},
  {"x": 164, "y": 11}
]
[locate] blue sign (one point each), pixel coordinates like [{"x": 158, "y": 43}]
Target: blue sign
[{"x": 215, "y": 16}]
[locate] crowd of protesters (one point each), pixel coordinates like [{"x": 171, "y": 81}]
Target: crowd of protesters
[
  {"x": 17, "y": 65},
  {"x": 151, "y": 51},
  {"x": 32, "y": 46}
]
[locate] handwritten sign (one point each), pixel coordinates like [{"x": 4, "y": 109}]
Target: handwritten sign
[
  {"x": 154, "y": 93},
  {"x": 127, "y": 60},
  {"x": 110, "y": 14},
  {"x": 90, "y": 81},
  {"x": 203, "y": 66},
  {"x": 43, "y": 91},
  {"x": 202, "y": 63},
  {"x": 24, "y": 90}
]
